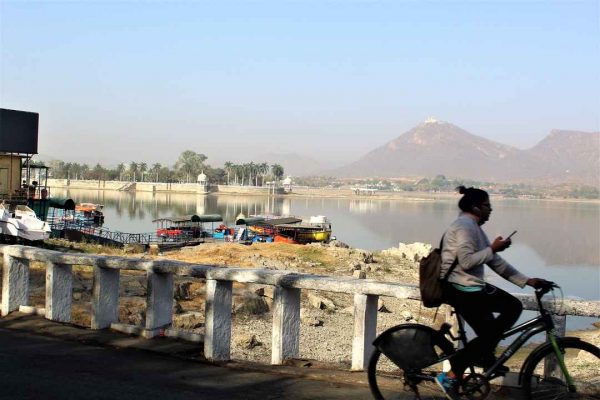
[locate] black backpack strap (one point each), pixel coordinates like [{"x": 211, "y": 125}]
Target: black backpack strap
[{"x": 454, "y": 264}]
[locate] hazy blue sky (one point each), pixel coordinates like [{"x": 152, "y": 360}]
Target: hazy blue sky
[{"x": 144, "y": 81}]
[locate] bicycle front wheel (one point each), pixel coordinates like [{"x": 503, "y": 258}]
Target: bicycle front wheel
[
  {"x": 388, "y": 381},
  {"x": 543, "y": 378}
]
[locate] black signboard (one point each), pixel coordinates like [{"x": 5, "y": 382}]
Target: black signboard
[{"x": 18, "y": 131}]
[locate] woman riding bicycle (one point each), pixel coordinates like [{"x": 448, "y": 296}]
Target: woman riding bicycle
[{"x": 465, "y": 289}]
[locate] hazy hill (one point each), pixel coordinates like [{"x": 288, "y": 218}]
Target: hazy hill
[
  {"x": 567, "y": 156},
  {"x": 436, "y": 147},
  {"x": 294, "y": 164}
]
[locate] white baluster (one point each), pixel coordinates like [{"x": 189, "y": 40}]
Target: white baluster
[
  {"x": 217, "y": 337},
  {"x": 15, "y": 283},
  {"x": 59, "y": 285},
  {"x": 286, "y": 324},
  {"x": 105, "y": 297},
  {"x": 365, "y": 328}
]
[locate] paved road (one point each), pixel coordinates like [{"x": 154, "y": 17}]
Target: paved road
[
  {"x": 40, "y": 359},
  {"x": 36, "y": 367}
]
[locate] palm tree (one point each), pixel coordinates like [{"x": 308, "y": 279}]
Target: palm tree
[
  {"x": 237, "y": 170},
  {"x": 133, "y": 167},
  {"x": 256, "y": 173},
  {"x": 277, "y": 171},
  {"x": 120, "y": 170},
  {"x": 243, "y": 169},
  {"x": 264, "y": 169},
  {"x": 228, "y": 166},
  {"x": 155, "y": 169},
  {"x": 143, "y": 169},
  {"x": 251, "y": 170}
]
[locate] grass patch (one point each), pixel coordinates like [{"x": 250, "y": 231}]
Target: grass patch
[
  {"x": 82, "y": 247},
  {"x": 312, "y": 254}
]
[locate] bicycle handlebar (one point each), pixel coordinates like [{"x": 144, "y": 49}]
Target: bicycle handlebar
[{"x": 545, "y": 288}]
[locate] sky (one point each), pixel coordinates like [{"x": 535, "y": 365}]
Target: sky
[{"x": 145, "y": 80}]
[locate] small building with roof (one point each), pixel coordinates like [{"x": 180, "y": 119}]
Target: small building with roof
[
  {"x": 287, "y": 184},
  {"x": 203, "y": 184}
]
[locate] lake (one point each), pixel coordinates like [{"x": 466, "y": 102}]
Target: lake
[{"x": 559, "y": 241}]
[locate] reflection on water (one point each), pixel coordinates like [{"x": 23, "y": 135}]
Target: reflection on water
[
  {"x": 553, "y": 239},
  {"x": 364, "y": 206}
]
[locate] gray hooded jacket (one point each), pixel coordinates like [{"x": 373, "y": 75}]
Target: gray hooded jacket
[{"x": 466, "y": 240}]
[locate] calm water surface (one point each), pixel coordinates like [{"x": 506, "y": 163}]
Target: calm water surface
[{"x": 559, "y": 241}]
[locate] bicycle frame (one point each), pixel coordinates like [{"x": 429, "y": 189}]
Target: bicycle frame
[
  {"x": 541, "y": 323},
  {"x": 529, "y": 328}
]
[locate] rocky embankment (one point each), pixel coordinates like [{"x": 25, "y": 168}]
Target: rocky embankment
[{"x": 326, "y": 318}]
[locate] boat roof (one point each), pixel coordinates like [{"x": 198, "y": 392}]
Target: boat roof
[
  {"x": 249, "y": 220},
  {"x": 61, "y": 203},
  {"x": 192, "y": 218},
  {"x": 262, "y": 221},
  {"x": 301, "y": 227}
]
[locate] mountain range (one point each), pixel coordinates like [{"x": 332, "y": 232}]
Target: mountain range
[{"x": 436, "y": 147}]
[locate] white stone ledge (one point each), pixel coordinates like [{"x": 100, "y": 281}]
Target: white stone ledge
[
  {"x": 31, "y": 310},
  {"x": 184, "y": 335},
  {"x": 158, "y": 332},
  {"x": 127, "y": 328},
  {"x": 269, "y": 277}
]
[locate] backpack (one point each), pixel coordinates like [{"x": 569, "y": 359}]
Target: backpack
[{"x": 430, "y": 283}]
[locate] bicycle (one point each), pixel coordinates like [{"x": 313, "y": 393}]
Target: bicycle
[{"x": 412, "y": 355}]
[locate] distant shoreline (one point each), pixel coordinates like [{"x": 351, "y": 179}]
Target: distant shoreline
[{"x": 297, "y": 192}]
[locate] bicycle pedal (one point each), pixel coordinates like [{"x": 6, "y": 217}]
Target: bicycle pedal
[{"x": 496, "y": 374}]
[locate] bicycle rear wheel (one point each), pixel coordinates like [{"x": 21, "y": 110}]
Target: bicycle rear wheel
[
  {"x": 406, "y": 359},
  {"x": 388, "y": 381},
  {"x": 544, "y": 380}
]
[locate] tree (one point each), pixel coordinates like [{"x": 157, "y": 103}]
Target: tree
[
  {"x": 85, "y": 170},
  {"x": 120, "y": 170},
  {"x": 133, "y": 167},
  {"x": 68, "y": 170},
  {"x": 237, "y": 170},
  {"x": 242, "y": 169},
  {"x": 277, "y": 171},
  {"x": 215, "y": 175},
  {"x": 264, "y": 169},
  {"x": 143, "y": 168},
  {"x": 251, "y": 171},
  {"x": 156, "y": 167},
  {"x": 190, "y": 164},
  {"x": 167, "y": 174},
  {"x": 57, "y": 169},
  {"x": 439, "y": 182},
  {"x": 98, "y": 172},
  {"x": 228, "y": 166}
]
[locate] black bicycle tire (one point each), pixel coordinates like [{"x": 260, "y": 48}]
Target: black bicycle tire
[
  {"x": 528, "y": 373},
  {"x": 372, "y": 375}
]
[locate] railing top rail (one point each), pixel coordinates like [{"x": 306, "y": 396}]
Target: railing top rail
[{"x": 347, "y": 285}]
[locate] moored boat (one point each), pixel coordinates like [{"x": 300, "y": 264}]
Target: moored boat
[
  {"x": 186, "y": 227},
  {"x": 89, "y": 212},
  {"x": 284, "y": 239},
  {"x": 290, "y": 229},
  {"x": 20, "y": 221}
]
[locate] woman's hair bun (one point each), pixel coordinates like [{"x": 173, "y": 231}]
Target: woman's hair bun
[{"x": 461, "y": 189}]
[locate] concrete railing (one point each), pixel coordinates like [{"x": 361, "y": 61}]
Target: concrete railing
[{"x": 217, "y": 339}]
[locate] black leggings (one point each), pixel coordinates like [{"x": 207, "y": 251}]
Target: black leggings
[{"x": 477, "y": 309}]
